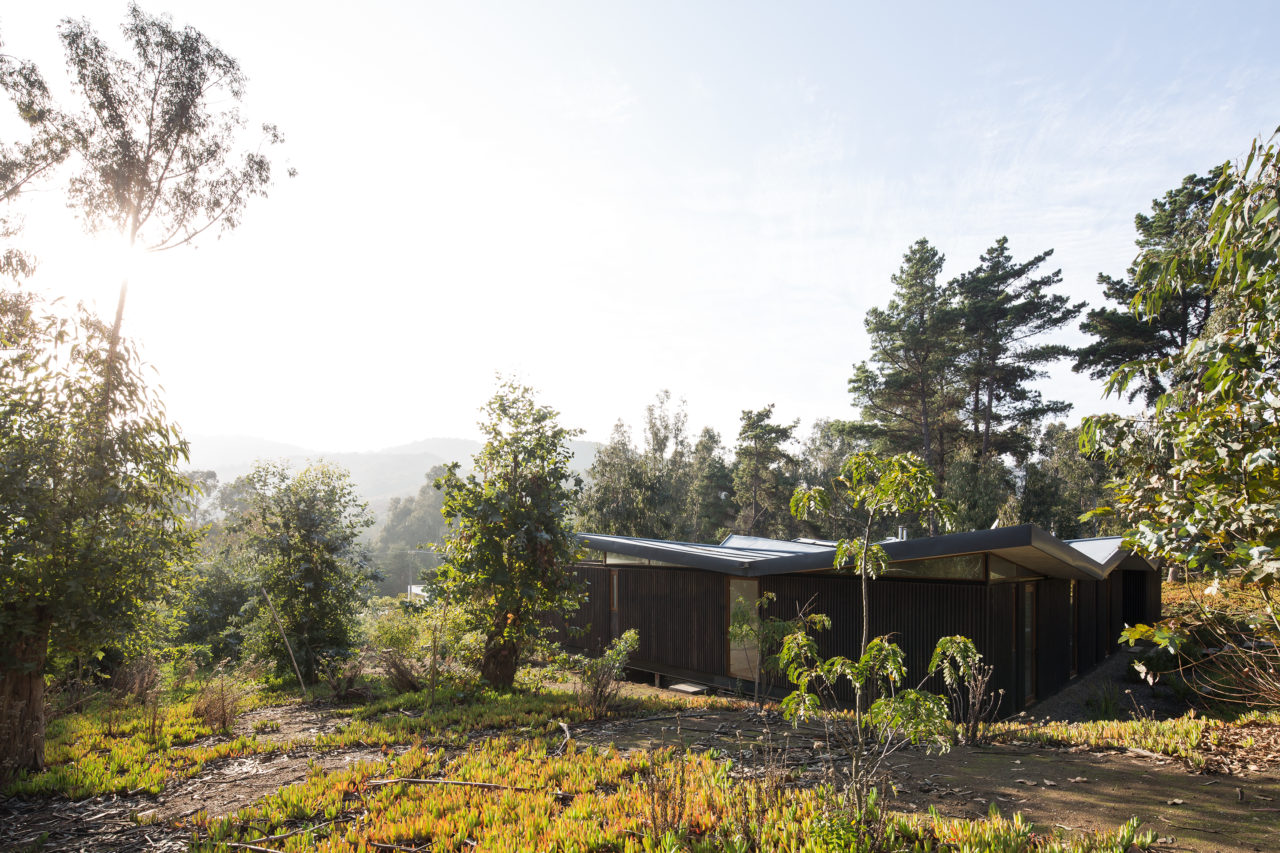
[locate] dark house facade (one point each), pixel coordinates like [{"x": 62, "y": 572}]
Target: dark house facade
[{"x": 1040, "y": 609}]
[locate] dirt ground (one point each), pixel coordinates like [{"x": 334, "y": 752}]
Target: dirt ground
[{"x": 1074, "y": 789}]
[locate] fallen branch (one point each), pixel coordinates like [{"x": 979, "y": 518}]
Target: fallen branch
[
  {"x": 282, "y": 835},
  {"x": 490, "y": 786}
]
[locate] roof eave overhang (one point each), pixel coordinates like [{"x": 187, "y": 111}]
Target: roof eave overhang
[{"x": 1026, "y": 545}]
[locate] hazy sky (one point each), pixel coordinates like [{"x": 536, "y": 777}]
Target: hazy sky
[{"x": 609, "y": 199}]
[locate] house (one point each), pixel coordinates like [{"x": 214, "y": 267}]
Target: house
[{"x": 1040, "y": 609}]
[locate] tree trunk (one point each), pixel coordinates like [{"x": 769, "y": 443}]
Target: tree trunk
[
  {"x": 22, "y": 701},
  {"x": 499, "y": 665}
]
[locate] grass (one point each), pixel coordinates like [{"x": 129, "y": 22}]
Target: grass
[{"x": 106, "y": 749}]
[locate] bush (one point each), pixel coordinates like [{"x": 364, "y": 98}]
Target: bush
[
  {"x": 600, "y": 679},
  {"x": 218, "y": 702},
  {"x": 341, "y": 672}
]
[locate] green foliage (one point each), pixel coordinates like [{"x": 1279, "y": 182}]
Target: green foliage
[
  {"x": 403, "y": 550},
  {"x": 1215, "y": 509},
  {"x": 644, "y": 492},
  {"x": 1061, "y": 484},
  {"x": 155, "y": 136},
  {"x": 300, "y": 536},
  {"x": 967, "y": 680},
  {"x": 709, "y": 508},
  {"x": 910, "y": 394},
  {"x": 1200, "y": 474},
  {"x": 870, "y": 489},
  {"x": 509, "y": 543},
  {"x": 1177, "y": 221},
  {"x": 600, "y": 678},
  {"x": 881, "y": 718},
  {"x": 977, "y": 487},
  {"x": 90, "y": 537}
]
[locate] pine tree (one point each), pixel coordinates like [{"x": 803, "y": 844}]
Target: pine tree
[
  {"x": 908, "y": 393},
  {"x": 764, "y": 475},
  {"x": 1005, "y": 309}
]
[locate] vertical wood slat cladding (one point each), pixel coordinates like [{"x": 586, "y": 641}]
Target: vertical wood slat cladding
[
  {"x": 588, "y": 627},
  {"x": 1141, "y": 596},
  {"x": 1116, "y": 589},
  {"x": 1087, "y": 633},
  {"x": 1102, "y": 619},
  {"x": 680, "y": 614},
  {"x": 1155, "y": 602},
  {"x": 1053, "y": 661},
  {"x": 913, "y": 614},
  {"x": 1002, "y": 607}
]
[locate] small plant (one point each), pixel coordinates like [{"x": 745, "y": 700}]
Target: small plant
[
  {"x": 218, "y": 701},
  {"x": 341, "y": 672},
  {"x": 973, "y": 705},
  {"x": 263, "y": 727},
  {"x": 600, "y": 679},
  {"x": 402, "y": 673},
  {"x": 1104, "y": 702},
  {"x": 136, "y": 679},
  {"x": 870, "y": 730},
  {"x": 750, "y": 801},
  {"x": 666, "y": 785}
]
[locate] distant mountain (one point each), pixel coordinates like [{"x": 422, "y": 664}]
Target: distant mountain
[{"x": 379, "y": 475}]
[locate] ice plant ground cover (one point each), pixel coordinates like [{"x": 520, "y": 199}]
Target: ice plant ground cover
[
  {"x": 495, "y": 771},
  {"x": 507, "y": 795}
]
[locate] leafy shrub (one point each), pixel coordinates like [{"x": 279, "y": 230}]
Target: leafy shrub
[
  {"x": 974, "y": 705},
  {"x": 600, "y": 679}
]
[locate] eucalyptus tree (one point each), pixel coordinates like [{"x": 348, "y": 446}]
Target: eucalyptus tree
[
  {"x": 1200, "y": 474},
  {"x": 156, "y": 137},
  {"x": 709, "y": 508},
  {"x": 24, "y": 163},
  {"x": 91, "y": 527},
  {"x": 1177, "y": 220},
  {"x": 642, "y": 491},
  {"x": 299, "y": 534}
]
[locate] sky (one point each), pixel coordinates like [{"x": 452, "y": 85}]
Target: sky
[{"x": 610, "y": 199}]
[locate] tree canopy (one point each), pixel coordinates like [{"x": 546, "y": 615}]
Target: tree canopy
[
  {"x": 1177, "y": 220},
  {"x": 300, "y": 533},
  {"x": 90, "y": 525},
  {"x": 909, "y": 394},
  {"x": 1200, "y": 475}
]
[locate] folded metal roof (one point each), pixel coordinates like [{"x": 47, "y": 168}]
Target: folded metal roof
[{"x": 749, "y": 556}]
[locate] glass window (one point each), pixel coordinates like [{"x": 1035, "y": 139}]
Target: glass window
[
  {"x": 744, "y": 628},
  {"x": 1000, "y": 568},
  {"x": 964, "y": 567}
]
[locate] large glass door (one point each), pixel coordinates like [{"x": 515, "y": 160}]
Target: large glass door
[{"x": 744, "y": 628}]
